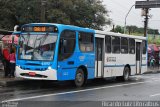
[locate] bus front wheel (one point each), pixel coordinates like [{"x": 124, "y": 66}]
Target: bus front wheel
[
  {"x": 79, "y": 78},
  {"x": 126, "y": 74}
]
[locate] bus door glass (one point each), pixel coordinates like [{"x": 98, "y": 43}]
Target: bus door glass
[{"x": 99, "y": 57}]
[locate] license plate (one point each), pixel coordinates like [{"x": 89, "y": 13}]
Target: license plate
[{"x": 32, "y": 73}]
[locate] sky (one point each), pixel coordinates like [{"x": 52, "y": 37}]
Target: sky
[{"x": 119, "y": 8}]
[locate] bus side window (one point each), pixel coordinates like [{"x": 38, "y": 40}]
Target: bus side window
[
  {"x": 131, "y": 46},
  {"x": 115, "y": 44},
  {"x": 144, "y": 44},
  {"x": 86, "y": 42},
  {"x": 124, "y": 45},
  {"x": 66, "y": 45},
  {"x": 108, "y": 44}
]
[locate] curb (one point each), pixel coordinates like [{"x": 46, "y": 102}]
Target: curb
[
  {"x": 19, "y": 81},
  {"x": 151, "y": 72},
  {"x": 13, "y": 82}
]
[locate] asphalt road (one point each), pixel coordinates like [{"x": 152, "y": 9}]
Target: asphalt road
[{"x": 65, "y": 94}]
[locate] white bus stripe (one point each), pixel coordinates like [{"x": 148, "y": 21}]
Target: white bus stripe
[
  {"x": 71, "y": 92},
  {"x": 155, "y": 95}
]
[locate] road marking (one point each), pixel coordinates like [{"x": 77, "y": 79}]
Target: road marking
[
  {"x": 155, "y": 95},
  {"x": 154, "y": 78},
  {"x": 150, "y": 78},
  {"x": 71, "y": 92}
]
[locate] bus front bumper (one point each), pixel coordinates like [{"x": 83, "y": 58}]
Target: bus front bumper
[{"x": 49, "y": 74}]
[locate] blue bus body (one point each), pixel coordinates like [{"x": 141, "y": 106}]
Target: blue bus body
[{"x": 55, "y": 69}]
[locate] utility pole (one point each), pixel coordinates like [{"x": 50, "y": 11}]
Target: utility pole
[
  {"x": 146, "y": 21},
  {"x": 113, "y": 28},
  {"x": 146, "y": 5},
  {"x": 43, "y": 9}
]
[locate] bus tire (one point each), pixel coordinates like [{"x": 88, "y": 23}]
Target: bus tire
[
  {"x": 79, "y": 78},
  {"x": 126, "y": 74}
]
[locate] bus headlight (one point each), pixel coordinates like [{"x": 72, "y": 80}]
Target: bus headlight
[{"x": 49, "y": 68}]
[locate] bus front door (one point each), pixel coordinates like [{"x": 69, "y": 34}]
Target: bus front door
[
  {"x": 138, "y": 57},
  {"x": 99, "y": 57}
]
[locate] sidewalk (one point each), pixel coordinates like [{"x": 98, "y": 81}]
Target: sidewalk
[
  {"x": 152, "y": 70},
  {"x": 8, "y": 81}
]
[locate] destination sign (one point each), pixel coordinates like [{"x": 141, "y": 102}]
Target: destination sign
[{"x": 40, "y": 29}]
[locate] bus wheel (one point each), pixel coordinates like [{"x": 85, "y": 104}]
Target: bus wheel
[
  {"x": 79, "y": 79},
  {"x": 126, "y": 74}
]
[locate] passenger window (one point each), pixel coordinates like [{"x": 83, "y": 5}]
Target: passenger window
[
  {"x": 67, "y": 44},
  {"x": 115, "y": 44},
  {"x": 108, "y": 44},
  {"x": 86, "y": 42},
  {"x": 131, "y": 46},
  {"x": 144, "y": 44},
  {"x": 124, "y": 45}
]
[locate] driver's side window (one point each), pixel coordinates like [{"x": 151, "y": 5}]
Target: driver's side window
[{"x": 66, "y": 44}]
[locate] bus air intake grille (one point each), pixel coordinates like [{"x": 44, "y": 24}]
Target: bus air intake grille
[
  {"x": 37, "y": 69},
  {"x": 36, "y": 75}
]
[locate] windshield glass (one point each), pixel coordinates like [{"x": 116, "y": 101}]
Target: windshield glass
[{"x": 37, "y": 46}]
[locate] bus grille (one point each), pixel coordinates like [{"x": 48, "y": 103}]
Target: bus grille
[
  {"x": 37, "y": 69},
  {"x": 36, "y": 75}
]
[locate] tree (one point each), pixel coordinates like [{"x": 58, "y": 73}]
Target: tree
[
  {"x": 131, "y": 29},
  {"x": 118, "y": 29},
  {"x": 84, "y": 13},
  {"x": 135, "y": 30}
]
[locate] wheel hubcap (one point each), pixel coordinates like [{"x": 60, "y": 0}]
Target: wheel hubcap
[
  {"x": 126, "y": 75},
  {"x": 79, "y": 77}
]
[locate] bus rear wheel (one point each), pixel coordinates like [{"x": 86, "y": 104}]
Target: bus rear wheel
[
  {"x": 79, "y": 78},
  {"x": 126, "y": 74}
]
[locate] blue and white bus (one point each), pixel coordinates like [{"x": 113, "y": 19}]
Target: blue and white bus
[{"x": 60, "y": 52}]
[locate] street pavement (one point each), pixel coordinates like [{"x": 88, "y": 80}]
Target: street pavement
[{"x": 144, "y": 87}]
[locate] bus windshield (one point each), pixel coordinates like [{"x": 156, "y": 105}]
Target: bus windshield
[{"x": 37, "y": 46}]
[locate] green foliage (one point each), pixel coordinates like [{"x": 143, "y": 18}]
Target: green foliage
[
  {"x": 134, "y": 30},
  {"x": 158, "y": 41},
  {"x": 154, "y": 39},
  {"x": 84, "y": 13},
  {"x": 118, "y": 29},
  {"x": 153, "y": 31},
  {"x": 150, "y": 40}
]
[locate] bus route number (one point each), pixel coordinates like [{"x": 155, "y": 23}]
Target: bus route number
[{"x": 39, "y": 29}]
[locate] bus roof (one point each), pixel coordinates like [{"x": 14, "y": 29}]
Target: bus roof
[{"x": 119, "y": 35}]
